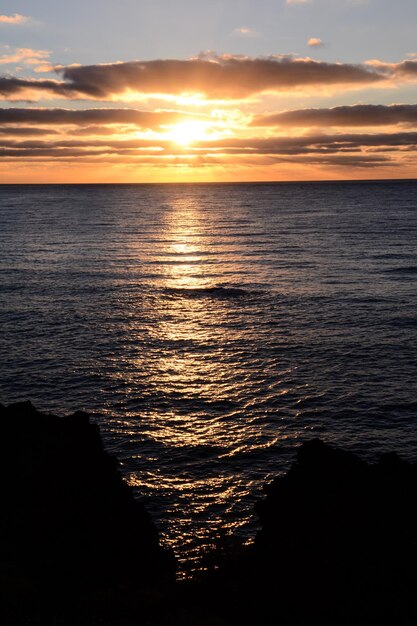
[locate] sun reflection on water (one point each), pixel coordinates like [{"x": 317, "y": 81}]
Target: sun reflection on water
[
  {"x": 201, "y": 377},
  {"x": 195, "y": 382}
]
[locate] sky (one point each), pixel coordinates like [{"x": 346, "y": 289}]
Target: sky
[{"x": 226, "y": 90}]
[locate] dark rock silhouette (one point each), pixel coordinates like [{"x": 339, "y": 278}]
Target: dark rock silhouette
[
  {"x": 337, "y": 547},
  {"x": 338, "y": 542},
  {"x": 69, "y": 524}
]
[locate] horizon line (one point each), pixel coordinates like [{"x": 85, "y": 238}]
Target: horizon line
[{"x": 227, "y": 182}]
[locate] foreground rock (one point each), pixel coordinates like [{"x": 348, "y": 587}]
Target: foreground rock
[
  {"x": 69, "y": 524},
  {"x": 338, "y": 543},
  {"x": 337, "y": 547}
]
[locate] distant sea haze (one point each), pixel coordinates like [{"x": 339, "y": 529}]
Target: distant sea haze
[{"x": 213, "y": 328}]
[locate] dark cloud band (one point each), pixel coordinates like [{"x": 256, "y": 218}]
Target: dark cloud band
[
  {"x": 221, "y": 77},
  {"x": 82, "y": 117},
  {"x": 218, "y": 77},
  {"x": 356, "y": 115},
  {"x": 338, "y": 143}
]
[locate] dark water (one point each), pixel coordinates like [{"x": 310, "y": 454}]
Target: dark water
[{"x": 212, "y": 328}]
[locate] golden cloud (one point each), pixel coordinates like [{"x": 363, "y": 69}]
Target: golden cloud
[{"x": 14, "y": 19}]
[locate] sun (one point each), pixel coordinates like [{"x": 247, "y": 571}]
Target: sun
[{"x": 186, "y": 133}]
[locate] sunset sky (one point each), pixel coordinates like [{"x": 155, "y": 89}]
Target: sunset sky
[{"x": 226, "y": 90}]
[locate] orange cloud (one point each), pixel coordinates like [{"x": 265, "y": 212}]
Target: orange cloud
[
  {"x": 364, "y": 145},
  {"x": 14, "y": 19},
  {"x": 315, "y": 42},
  {"x": 27, "y": 56}
]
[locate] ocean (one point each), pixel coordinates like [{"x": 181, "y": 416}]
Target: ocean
[{"x": 211, "y": 329}]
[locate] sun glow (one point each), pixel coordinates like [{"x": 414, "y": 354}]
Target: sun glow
[{"x": 186, "y": 133}]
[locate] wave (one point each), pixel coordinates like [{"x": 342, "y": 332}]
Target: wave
[
  {"x": 407, "y": 269},
  {"x": 404, "y": 322},
  {"x": 215, "y": 291}
]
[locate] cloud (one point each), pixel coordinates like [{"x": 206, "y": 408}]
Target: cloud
[
  {"x": 407, "y": 69},
  {"x": 27, "y": 56},
  {"x": 82, "y": 117},
  {"x": 223, "y": 76},
  {"x": 315, "y": 42},
  {"x": 26, "y": 131},
  {"x": 297, "y": 1},
  {"x": 404, "y": 70},
  {"x": 215, "y": 77},
  {"x": 355, "y": 115},
  {"x": 245, "y": 32},
  {"x": 25, "y": 89},
  {"x": 315, "y": 144},
  {"x": 349, "y": 162},
  {"x": 347, "y": 151},
  {"x": 14, "y": 19},
  {"x": 88, "y": 131}
]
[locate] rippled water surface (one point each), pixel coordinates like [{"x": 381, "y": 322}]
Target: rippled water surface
[{"x": 212, "y": 328}]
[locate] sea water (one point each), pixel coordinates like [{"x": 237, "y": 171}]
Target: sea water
[{"x": 211, "y": 329}]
